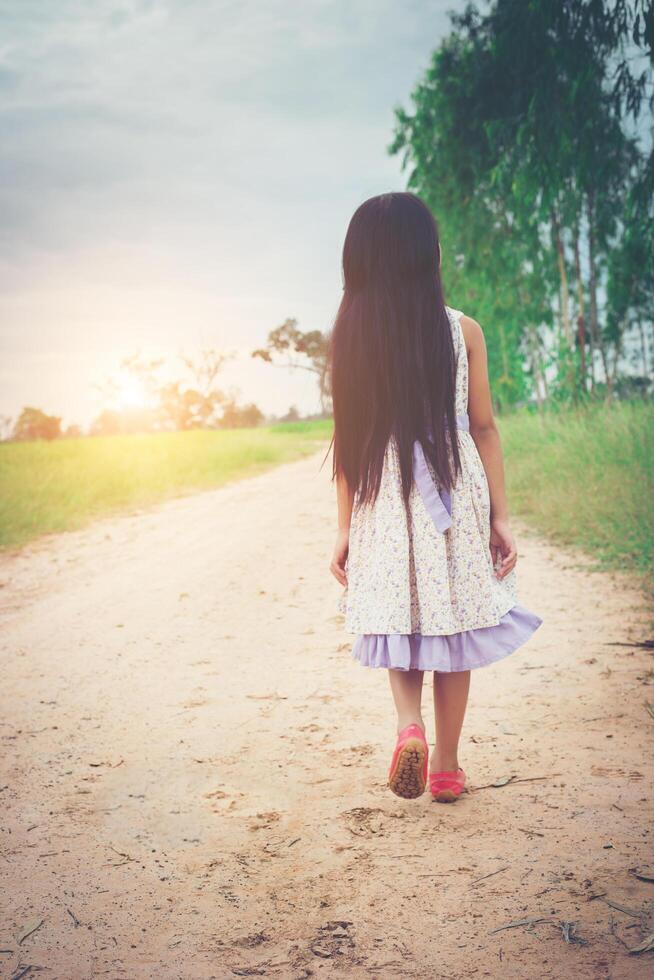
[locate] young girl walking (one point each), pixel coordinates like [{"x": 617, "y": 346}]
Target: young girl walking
[{"x": 424, "y": 546}]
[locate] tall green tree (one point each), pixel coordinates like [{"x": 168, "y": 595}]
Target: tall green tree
[{"x": 517, "y": 138}]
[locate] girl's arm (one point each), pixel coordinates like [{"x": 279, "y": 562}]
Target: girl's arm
[
  {"x": 487, "y": 439},
  {"x": 345, "y": 499}
]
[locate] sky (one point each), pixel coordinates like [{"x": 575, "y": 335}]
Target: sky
[{"x": 179, "y": 174}]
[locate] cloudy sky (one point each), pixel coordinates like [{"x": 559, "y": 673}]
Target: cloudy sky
[{"x": 179, "y": 174}]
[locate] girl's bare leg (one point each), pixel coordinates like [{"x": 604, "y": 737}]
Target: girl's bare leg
[
  {"x": 406, "y": 686},
  {"x": 450, "y": 701}
]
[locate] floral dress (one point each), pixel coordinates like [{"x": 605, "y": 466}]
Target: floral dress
[{"x": 422, "y": 592}]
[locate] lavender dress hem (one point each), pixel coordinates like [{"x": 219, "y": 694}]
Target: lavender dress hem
[{"x": 448, "y": 654}]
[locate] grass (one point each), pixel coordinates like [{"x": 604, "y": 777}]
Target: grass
[
  {"x": 583, "y": 477},
  {"x": 58, "y": 486},
  {"x": 586, "y": 477}
]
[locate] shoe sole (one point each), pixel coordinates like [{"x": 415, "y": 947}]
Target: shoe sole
[{"x": 407, "y": 779}]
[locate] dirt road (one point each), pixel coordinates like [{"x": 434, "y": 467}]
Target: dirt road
[{"x": 193, "y": 768}]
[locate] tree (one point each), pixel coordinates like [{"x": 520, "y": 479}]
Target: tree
[
  {"x": 196, "y": 406},
  {"x": 518, "y": 139},
  {"x": 144, "y": 371},
  {"x": 111, "y": 422},
  {"x": 240, "y": 416},
  {"x": 32, "y": 423},
  {"x": 289, "y": 347},
  {"x": 450, "y": 150},
  {"x": 630, "y": 290},
  {"x": 190, "y": 402}
]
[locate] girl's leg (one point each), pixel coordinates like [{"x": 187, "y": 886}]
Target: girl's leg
[
  {"x": 450, "y": 700},
  {"x": 406, "y": 686}
]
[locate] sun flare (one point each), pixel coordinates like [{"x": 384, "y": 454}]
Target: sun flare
[{"x": 131, "y": 393}]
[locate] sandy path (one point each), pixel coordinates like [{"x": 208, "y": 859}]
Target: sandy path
[{"x": 193, "y": 768}]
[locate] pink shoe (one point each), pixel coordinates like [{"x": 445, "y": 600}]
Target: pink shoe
[
  {"x": 408, "y": 773},
  {"x": 446, "y": 787}
]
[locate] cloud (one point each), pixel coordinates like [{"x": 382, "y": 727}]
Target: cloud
[{"x": 206, "y": 151}]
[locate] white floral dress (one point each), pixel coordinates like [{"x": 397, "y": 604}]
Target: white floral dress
[{"x": 421, "y": 598}]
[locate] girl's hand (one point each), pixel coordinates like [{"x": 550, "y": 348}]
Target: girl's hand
[
  {"x": 503, "y": 548},
  {"x": 341, "y": 548}
]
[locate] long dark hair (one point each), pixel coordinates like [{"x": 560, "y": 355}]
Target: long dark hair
[{"x": 393, "y": 366}]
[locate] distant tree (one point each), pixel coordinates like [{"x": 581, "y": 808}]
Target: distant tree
[
  {"x": 205, "y": 368},
  {"x": 146, "y": 371},
  {"x": 111, "y": 421},
  {"x": 195, "y": 406},
  {"x": 292, "y": 415},
  {"x": 72, "y": 432},
  {"x": 193, "y": 401},
  {"x": 32, "y": 423},
  {"x": 181, "y": 407},
  {"x": 106, "y": 424},
  {"x": 289, "y": 347},
  {"x": 240, "y": 416}
]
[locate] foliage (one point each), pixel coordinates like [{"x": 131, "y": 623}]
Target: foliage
[
  {"x": 191, "y": 402},
  {"x": 240, "y": 416},
  {"x": 32, "y": 423},
  {"x": 197, "y": 405},
  {"x": 112, "y": 421},
  {"x": 521, "y": 137},
  {"x": 289, "y": 347}
]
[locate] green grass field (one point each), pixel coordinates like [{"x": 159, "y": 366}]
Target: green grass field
[
  {"x": 582, "y": 477},
  {"x": 57, "y": 486},
  {"x": 586, "y": 478}
]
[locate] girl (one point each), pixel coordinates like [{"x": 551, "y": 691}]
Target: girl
[{"x": 424, "y": 546}]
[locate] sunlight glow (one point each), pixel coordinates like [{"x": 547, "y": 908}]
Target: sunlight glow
[{"x": 131, "y": 393}]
